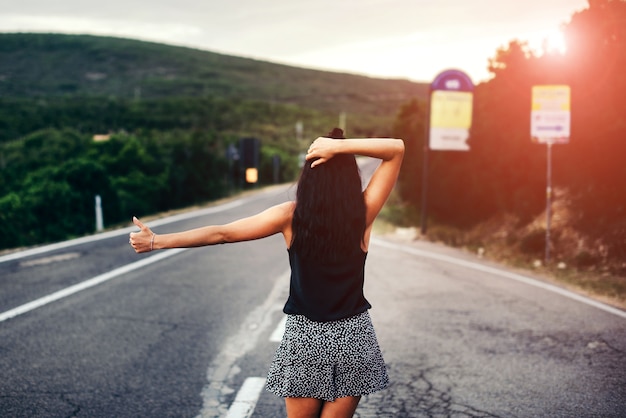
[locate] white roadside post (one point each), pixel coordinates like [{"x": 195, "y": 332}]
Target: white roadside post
[{"x": 99, "y": 220}]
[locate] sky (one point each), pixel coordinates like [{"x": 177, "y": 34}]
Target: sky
[{"x": 409, "y": 39}]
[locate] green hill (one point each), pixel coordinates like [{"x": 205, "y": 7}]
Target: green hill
[
  {"x": 54, "y": 66},
  {"x": 168, "y": 114}
]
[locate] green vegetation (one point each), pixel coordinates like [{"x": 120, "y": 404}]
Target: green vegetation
[
  {"x": 109, "y": 76},
  {"x": 51, "y": 177},
  {"x": 170, "y": 113}
]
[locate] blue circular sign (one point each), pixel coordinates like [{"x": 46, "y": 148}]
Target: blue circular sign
[{"x": 454, "y": 80}]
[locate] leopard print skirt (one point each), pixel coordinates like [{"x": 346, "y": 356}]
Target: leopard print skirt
[{"x": 327, "y": 360}]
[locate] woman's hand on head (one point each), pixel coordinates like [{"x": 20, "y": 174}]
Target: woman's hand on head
[
  {"x": 321, "y": 150},
  {"x": 141, "y": 241}
]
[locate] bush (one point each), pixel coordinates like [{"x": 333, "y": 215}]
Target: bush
[
  {"x": 533, "y": 243},
  {"x": 585, "y": 259}
]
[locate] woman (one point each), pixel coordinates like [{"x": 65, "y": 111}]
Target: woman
[{"x": 329, "y": 356}]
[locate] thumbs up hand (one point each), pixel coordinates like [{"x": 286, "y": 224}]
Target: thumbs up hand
[{"x": 142, "y": 241}]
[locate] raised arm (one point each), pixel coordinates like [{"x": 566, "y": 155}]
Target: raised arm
[
  {"x": 389, "y": 150},
  {"x": 269, "y": 222},
  {"x": 384, "y": 148}
]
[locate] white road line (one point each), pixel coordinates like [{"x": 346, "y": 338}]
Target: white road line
[
  {"x": 224, "y": 365},
  {"x": 278, "y": 333},
  {"x": 111, "y": 274},
  {"x": 49, "y": 260},
  {"x": 86, "y": 284},
  {"x": 247, "y": 397},
  {"x": 118, "y": 232},
  {"x": 502, "y": 273}
]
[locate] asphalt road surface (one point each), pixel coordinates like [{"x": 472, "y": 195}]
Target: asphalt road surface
[{"x": 88, "y": 328}]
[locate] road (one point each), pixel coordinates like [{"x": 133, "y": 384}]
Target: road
[{"x": 88, "y": 328}]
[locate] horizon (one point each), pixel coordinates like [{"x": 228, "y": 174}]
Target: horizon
[{"x": 392, "y": 39}]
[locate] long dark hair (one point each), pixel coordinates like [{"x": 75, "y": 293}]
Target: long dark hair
[{"x": 329, "y": 218}]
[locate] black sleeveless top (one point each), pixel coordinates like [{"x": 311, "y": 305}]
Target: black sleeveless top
[{"x": 326, "y": 291}]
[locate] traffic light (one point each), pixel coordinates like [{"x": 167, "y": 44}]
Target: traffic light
[{"x": 249, "y": 158}]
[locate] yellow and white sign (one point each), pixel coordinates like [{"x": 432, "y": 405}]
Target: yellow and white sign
[
  {"x": 550, "y": 116},
  {"x": 450, "y": 120}
]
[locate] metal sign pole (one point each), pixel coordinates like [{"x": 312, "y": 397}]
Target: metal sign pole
[
  {"x": 424, "y": 212},
  {"x": 550, "y": 124},
  {"x": 548, "y": 197}
]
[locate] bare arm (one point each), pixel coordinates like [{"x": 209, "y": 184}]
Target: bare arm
[
  {"x": 389, "y": 150},
  {"x": 269, "y": 222},
  {"x": 384, "y": 148}
]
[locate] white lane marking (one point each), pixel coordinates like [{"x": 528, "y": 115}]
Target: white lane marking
[
  {"x": 224, "y": 365},
  {"x": 502, "y": 273},
  {"x": 86, "y": 284},
  {"x": 49, "y": 260},
  {"x": 278, "y": 333},
  {"x": 247, "y": 397},
  {"x": 118, "y": 232}
]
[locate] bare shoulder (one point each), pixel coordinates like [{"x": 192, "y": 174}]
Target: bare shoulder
[
  {"x": 284, "y": 211},
  {"x": 286, "y": 207}
]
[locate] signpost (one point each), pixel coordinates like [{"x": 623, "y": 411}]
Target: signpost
[
  {"x": 449, "y": 120},
  {"x": 450, "y": 111},
  {"x": 550, "y": 121},
  {"x": 550, "y": 114}
]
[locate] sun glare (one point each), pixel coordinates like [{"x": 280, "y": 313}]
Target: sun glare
[
  {"x": 555, "y": 41},
  {"x": 549, "y": 42}
]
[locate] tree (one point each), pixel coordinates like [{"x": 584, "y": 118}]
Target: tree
[
  {"x": 410, "y": 126},
  {"x": 504, "y": 172},
  {"x": 595, "y": 159}
]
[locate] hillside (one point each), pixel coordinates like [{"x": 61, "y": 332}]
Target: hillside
[
  {"x": 54, "y": 65},
  {"x": 170, "y": 118}
]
